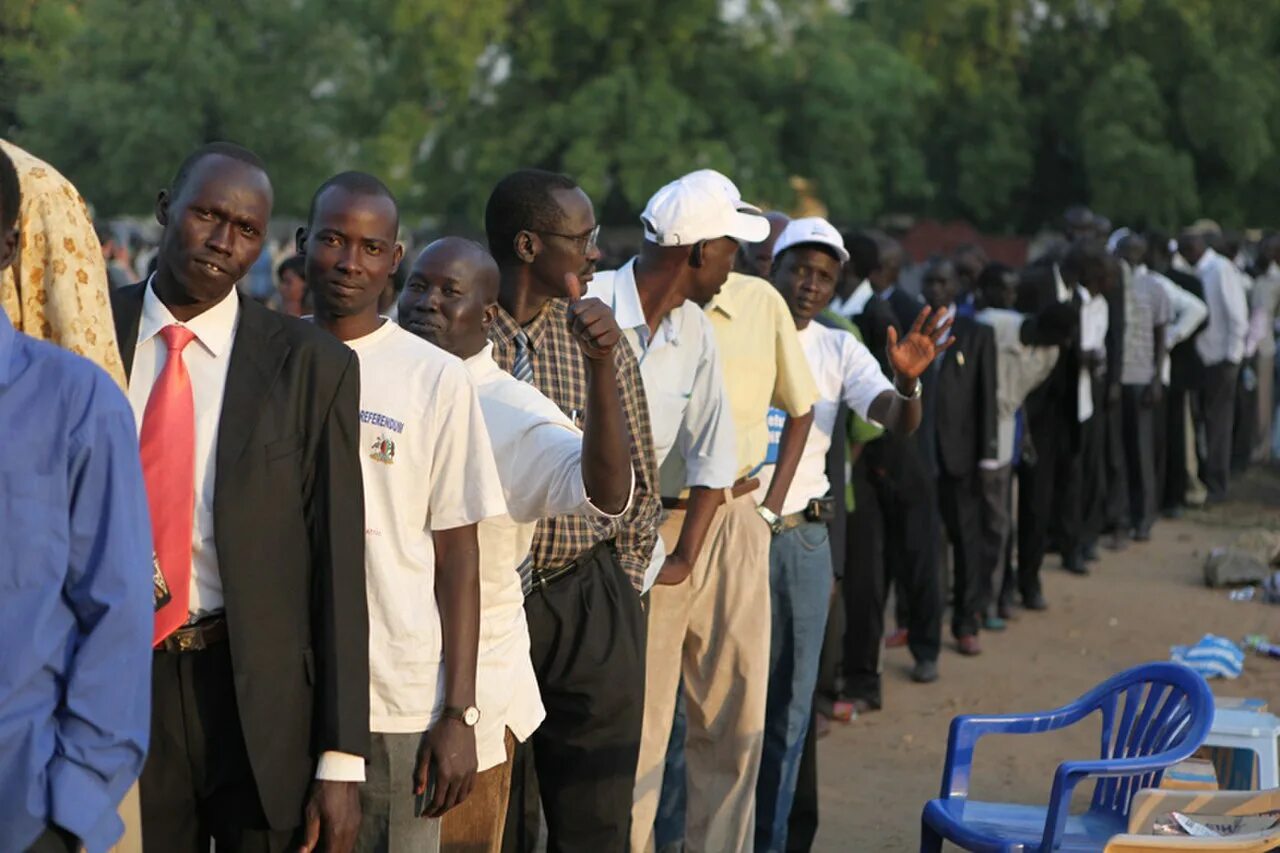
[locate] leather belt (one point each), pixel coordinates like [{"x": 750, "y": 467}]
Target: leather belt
[
  {"x": 547, "y": 577},
  {"x": 788, "y": 522},
  {"x": 744, "y": 486},
  {"x": 195, "y": 638}
]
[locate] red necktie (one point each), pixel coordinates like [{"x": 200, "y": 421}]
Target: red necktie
[{"x": 168, "y": 444}]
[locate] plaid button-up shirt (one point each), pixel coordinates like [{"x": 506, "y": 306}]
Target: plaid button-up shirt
[{"x": 560, "y": 372}]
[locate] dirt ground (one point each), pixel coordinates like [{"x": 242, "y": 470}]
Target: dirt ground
[{"x": 877, "y": 772}]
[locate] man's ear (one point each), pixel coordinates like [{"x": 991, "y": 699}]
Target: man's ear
[
  {"x": 489, "y": 317},
  {"x": 162, "y": 207},
  {"x": 527, "y": 245},
  {"x": 300, "y": 240},
  {"x": 397, "y": 257}
]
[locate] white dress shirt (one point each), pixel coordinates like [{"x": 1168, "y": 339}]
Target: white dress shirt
[
  {"x": 207, "y": 358},
  {"x": 1262, "y": 322},
  {"x": 1095, "y": 321},
  {"x": 1020, "y": 369},
  {"x": 857, "y": 301},
  {"x": 1187, "y": 313},
  {"x": 1224, "y": 293},
  {"x": 538, "y": 452},
  {"x": 688, "y": 405}
]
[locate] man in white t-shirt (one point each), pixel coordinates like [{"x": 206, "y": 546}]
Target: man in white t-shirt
[
  {"x": 547, "y": 468},
  {"x": 807, "y": 262},
  {"x": 429, "y": 477}
]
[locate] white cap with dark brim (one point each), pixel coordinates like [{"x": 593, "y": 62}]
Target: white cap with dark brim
[{"x": 811, "y": 229}]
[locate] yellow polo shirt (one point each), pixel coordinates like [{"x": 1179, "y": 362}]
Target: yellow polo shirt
[{"x": 764, "y": 364}]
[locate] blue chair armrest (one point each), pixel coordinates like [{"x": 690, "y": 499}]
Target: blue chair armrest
[{"x": 966, "y": 731}]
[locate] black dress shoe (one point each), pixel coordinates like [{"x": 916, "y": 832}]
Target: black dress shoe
[
  {"x": 1172, "y": 512},
  {"x": 1035, "y": 602},
  {"x": 924, "y": 672},
  {"x": 1075, "y": 564},
  {"x": 1142, "y": 534},
  {"x": 1090, "y": 552}
]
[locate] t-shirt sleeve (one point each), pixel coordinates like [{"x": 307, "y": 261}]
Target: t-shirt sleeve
[
  {"x": 863, "y": 381},
  {"x": 464, "y": 485},
  {"x": 544, "y": 474},
  {"x": 794, "y": 390}
]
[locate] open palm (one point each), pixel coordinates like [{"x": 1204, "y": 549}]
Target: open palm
[{"x": 914, "y": 353}]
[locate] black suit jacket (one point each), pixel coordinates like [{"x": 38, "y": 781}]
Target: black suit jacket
[
  {"x": 1186, "y": 368},
  {"x": 959, "y": 424},
  {"x": 1057, "y": 398},
  {"x": 893, "y": 461},
  {"x": 288, "y": 516}
]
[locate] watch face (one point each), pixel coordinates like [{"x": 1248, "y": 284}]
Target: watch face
[{"x": 471, "y": 716}]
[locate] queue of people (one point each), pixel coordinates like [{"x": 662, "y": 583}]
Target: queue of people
[{"x": 557, "y": 553}]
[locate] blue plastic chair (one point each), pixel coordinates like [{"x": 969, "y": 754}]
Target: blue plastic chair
[{"x": 1153, "y": 716}]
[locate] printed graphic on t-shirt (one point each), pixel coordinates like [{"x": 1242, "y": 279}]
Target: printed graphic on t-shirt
[
  {"x": 383, "y": 450},
  {"x": 777, "y": 420}
]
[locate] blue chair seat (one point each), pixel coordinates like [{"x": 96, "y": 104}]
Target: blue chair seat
[{"x": 1011, "y": 828}]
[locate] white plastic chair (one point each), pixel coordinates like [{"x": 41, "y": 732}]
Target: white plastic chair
[{"x": 1253, "y": 731}]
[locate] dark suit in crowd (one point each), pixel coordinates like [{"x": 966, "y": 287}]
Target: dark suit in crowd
[{"x": 237, "y": 728}]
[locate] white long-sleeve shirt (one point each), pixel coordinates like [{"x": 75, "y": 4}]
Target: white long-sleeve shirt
[
  {"x": 1188, "y": 312},
  {"x": 1224, "y": 294}
]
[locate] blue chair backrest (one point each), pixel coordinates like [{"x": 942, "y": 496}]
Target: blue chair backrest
[{"x": 1146, "y": 711}]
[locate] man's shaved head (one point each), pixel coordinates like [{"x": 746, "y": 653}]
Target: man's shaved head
[{"x": 451, "y": 296}]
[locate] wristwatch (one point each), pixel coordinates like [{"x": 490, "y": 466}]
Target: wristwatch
[
  {"x": 468, "y": 716},
  {"x": 771, "y": 519},
  {"x": 914, "y": 395}
]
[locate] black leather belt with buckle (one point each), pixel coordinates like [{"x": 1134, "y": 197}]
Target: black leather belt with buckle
[
  {"x": 197, "y": 637},
  {"x": 550, "y": 576}
]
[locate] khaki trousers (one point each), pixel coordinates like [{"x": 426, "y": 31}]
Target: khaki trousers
[
  {"x": 131, "y": 841},
  {"x": 714, "y": 630},
  {"x": 476, "y": 825}
]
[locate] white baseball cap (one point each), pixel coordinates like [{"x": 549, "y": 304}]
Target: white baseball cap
[
  {"x": 811, "y": 229},
  {"x": 719, "y": 181},
  {"x": 685, "y": 212}
]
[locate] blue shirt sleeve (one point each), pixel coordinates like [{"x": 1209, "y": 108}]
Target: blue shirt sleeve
[{"x": 103, "y": 721}]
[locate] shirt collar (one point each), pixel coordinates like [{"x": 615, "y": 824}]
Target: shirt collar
[
  {"x": 7, "y": 337},
  {"x": 724, "y": 301},
  {"x": 887, "y": 292},
  {"x": 214, "y": 329},
  {"x": 1206, "y": 259},
  {"x": 481, "y": 364},
  {"x": 629, "y": 311}
]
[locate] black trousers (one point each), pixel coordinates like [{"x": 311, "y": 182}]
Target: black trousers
[
  {"x": 911, "y": 554},
  {"x": 1093, "y": 478},
  {"x": 197, "y": 784},
  {"x": 1042, "y": 487},
  {"x": 1140, "y": 457},
  {"x": 866, "y": 583},
  {"x": 55, "y": 839},
  {"x": 587, "y": 635},
  {"x": 1218, "y": 408},
  {"x": 960, "y": 506},
  {"x": 1117, "y": 509}
]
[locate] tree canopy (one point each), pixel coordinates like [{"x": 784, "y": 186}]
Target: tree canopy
[{"x": 999, "y": 111}]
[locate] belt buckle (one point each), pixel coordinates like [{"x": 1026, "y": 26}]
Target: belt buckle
[{"x": 186, "y": 640}]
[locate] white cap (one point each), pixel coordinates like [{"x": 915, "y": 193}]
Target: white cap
[
  {"x": 721, "y": 182},
  {"x": 811, "y": 229},
  {"x": 685, "y": 212}
]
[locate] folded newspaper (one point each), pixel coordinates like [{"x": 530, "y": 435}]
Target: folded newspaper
[{"x": 1215, "y": 826}]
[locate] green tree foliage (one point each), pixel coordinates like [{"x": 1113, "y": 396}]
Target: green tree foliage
[{"x": 999, "y": 111}]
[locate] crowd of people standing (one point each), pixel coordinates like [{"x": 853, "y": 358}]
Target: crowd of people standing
[{"x": 493, "y": 546}]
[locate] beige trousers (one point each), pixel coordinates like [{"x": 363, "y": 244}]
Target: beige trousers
[
  {"x": 131, "y": 841},
  {"x": 714, "y": 630}
]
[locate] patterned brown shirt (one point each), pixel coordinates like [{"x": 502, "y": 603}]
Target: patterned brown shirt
[
  {"x": 560, "y": 372},
  {"x": 56, "y": 290}
]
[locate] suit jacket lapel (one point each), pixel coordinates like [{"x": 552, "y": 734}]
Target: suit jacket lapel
[
  {"x": 257, "y": 353},
  {"x": 126, "y": 309}
]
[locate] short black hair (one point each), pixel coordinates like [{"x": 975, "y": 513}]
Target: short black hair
[
  {"x": 992, "y": 275},
  {"x": 864, "y": 253},
  {"x": 522, "y": 201},
  {"x": 295, "y": 264},
  {"x": 10, "y": 192},
  {"x": 211, "y": 149},
  {"x": 357, "y": 183},
  {"x": 1085, "y": 256}
]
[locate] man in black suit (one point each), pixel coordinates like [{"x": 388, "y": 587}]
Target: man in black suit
[
  {"x": 957, "y": 433},
  {"x": 260, "y": 697},
  {"x": 1052, "y": 419},
  {"x": 904, "y": 496}
]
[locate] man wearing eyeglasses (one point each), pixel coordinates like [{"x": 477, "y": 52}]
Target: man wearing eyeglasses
[{"x": 586, "y": 626}]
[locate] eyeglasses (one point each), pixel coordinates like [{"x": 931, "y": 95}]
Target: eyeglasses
[{"x": 590, "y": 239}]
